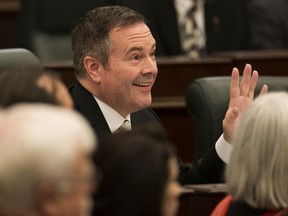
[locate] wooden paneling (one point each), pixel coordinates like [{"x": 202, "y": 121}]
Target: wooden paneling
[
  {"x": 176, "y": 73},
  {"x": 266, "y": 62},
  {"x": 9, "y": 11}
]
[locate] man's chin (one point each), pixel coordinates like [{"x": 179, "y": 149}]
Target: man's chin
[{"x": 146, "y": 103}]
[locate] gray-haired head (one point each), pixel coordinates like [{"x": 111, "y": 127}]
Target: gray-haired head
[
  {"x": 257, "y": 171},
  {"x": 39, "y": 143}
]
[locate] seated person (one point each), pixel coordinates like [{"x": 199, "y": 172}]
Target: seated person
[
  {"x": 139, "y": 175},
  {"x": 45, "y": 164},
  {"x": 268, "y": 30},
  {"x": 115, "y": 67},
  {"x": 29, "y": 84},
  {"x": 256, "y": 176},
  {"x": 217, "y": 25}
]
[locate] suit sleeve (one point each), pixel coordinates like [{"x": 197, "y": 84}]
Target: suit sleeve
[{"x": 208, "y": 169}]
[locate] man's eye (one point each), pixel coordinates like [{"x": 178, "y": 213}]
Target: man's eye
[{"x": 135, "y": 57}]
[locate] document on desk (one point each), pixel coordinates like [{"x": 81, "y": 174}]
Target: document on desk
[{"x": 211, "y": 188}]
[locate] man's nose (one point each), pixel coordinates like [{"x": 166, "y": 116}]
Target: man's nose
[{"x": 150, "y": 66}]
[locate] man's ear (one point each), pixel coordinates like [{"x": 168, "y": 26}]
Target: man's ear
[{"x": 93, "y": 68}]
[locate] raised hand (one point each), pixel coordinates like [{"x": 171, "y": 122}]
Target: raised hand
[{"x": 240, "y": 97}]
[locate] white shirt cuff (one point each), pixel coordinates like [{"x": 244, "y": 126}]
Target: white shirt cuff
[{"x": 223, "y": 149}]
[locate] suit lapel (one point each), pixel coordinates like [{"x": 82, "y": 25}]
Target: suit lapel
[{"x": 85, "y": 103}]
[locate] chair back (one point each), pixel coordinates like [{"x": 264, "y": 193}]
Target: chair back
[
  {"x": 207, "y": 101},
  {"x": 18, "y": 57}
]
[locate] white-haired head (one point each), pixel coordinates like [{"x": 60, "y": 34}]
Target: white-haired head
[
  {"x": 38, "y": 143},
  {"x": 257, "y": 171}
]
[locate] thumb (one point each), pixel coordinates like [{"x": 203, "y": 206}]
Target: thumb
[
  {"x": 231, "y": 115},
  {"x": 230, "y": 123}
]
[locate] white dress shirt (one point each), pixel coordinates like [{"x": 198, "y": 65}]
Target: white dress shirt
[
  {"x": 223, "y": 149},
  {"x": 112, "y": 117}
]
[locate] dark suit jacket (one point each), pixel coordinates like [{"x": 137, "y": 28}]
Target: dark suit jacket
[
  {"x": 225, "y": 22},
  {"x": 207, "y": 170},
  {"x": 269, "y": 24}
]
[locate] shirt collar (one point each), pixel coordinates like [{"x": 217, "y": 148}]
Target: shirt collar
[{"x": 112, "y": 117}]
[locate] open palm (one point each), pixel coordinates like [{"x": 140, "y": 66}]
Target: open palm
[{"x": 240, "y": 98}]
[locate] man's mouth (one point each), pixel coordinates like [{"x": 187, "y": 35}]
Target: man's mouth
[{"x": 142, "y": 84}]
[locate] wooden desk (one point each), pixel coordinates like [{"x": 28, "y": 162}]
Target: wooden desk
[
  {"x": 9, "y": 5},
  {"x": 176, "y": 73},
  {"x": 198, "y": 203},
  {"x": 266, "y": 62}
]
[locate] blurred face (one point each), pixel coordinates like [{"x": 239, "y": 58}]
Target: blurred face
[
  {"x": 127, "y": 82},
  {"x": 172, "y": 190},
  {"x": 62, "y": 95},
  {"x": 76, "y": 201}
]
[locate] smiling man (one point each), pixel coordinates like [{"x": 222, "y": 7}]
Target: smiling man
[{"x": 114, "y": 60}]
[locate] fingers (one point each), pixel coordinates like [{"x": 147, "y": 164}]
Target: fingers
[
  {"x": 264, "y": 90},
  {"x": 245, "y": 82},
  {"x": 253, "y": 83},
  {"x": 248, "y": 83},
  {"x": 234, "y": 84}
]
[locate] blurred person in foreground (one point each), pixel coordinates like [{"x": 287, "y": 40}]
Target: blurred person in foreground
[
  {"x": 140, "y": 173},
  {"x": 32, "y": 85},
  {"x": 268, "y": 28},
  {"x": 256, "y": 176},
  {"x": 45, "y": 164}
]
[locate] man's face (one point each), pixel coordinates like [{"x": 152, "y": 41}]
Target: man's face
[
  {"x": 61, "y": 95},
  {"x": 127, "y": 82}
]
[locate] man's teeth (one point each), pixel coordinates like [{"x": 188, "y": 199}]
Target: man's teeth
[{"x": 141, "y": 85}]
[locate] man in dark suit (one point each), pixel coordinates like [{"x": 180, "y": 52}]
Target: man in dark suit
[
  {"x": 268, "y": 24},
  {"x": 114, "y": 58},
  {"x": 225, "y": 24}
]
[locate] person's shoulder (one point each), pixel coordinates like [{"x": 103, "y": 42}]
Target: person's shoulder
[
  {"x": 77, "y": 90},
  {"x": 146, "y": 116},
  {"x": 146, "y": 113}
]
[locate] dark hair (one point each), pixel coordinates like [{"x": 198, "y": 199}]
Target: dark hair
[
  {"x": 91, "y": 33},
  {"x": 19, "y": 84},
  {"x": 135, "y": 173}
]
